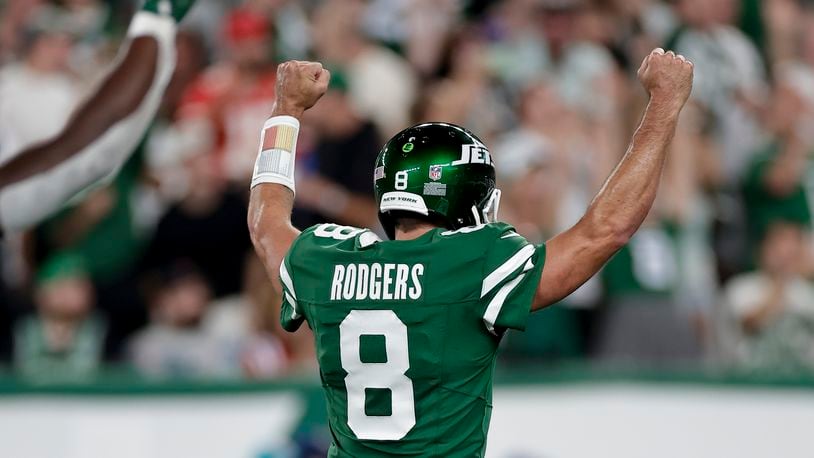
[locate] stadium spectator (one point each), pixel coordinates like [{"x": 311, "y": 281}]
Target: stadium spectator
[
  {"x": 420, "y": 28},
  {"x": 63, "y": 340},
  {"x": 381, "y": 84},
  {"x": 39, "y": 91},
  {"x": 550, "y": 164},
  {"x": 531, "y": 165},
  {"x": 644, "y": 322},
  {"x": 467, "y": 93},
  {"x": 783, "y": 29},
  {"x": 290, "y": 20},
  {"x": 338, "y": 187},
  {"x": 730, "y": 77},
  {"x": 574, "y": 63},
  {"x": 175, "y": 345},
  {"x": 248, "y": 322},
  {"x": 773, "y": 307},
  {"x": 538, "y": 159},
  {"x": 205, "y": 227},
  {"x": 224, "y": 108},
  {"x": 16, "y": 13},
  {"x": 547, "y": 83},
  {"x": 104, "y": 231},
  {"x": 720, "y": 131},
  {"x": 775, "y": 182}
]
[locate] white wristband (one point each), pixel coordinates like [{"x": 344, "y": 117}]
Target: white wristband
[{"x": 277, "y": 152}]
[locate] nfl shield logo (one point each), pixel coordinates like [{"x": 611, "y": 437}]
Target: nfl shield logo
[{"x": 435, "y": 172}]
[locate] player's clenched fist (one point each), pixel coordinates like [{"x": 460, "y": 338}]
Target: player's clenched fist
[
  {"x": 300, "y": 84},
  {"x": 667, "y": 77}
]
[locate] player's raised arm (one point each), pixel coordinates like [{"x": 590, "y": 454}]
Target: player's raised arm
[
  {"x": 103, "y": 131},
  {"x": 625, "y": 200},
  {"x": 299, "y": 86}
]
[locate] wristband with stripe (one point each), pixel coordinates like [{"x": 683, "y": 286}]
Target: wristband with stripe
[{"x": 277, "y": 152}]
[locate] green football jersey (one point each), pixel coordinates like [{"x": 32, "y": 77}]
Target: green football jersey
[{"x": 407, "y": 331}]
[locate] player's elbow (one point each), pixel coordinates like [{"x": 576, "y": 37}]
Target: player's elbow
[
  {"x": 611, "y": 235},
  {"x": 618, "y": 237}
]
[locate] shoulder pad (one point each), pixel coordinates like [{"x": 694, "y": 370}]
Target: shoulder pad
[{"x": 334, "y": 235}]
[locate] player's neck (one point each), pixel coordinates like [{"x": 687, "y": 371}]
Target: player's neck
[{"x": 413, "y": 229}]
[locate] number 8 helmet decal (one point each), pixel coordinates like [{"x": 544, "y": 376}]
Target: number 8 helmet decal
[{"x": 439, "y": 170}]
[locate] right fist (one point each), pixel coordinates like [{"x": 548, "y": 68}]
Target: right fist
[
  {"x": 300, "y": 85},
  {"x": 667, "y": 77}
]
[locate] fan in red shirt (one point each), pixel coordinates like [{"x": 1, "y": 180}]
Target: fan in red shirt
[{"x": 223, "y": 110}]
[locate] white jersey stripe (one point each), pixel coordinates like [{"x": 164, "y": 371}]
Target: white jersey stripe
[
  {"x": 294, "y": 314},
  {"x": 290, "y": 295},
  {"x": 506, "y": 269},
  {"x": 286, "y": 279},
  {"x": 496, "y": 304},
  {"x": 529, "y": 265}
]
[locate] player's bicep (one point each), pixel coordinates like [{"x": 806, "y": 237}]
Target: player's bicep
[{"x": 573, "y": 258}]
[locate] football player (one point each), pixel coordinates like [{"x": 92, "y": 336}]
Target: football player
[
  {"x": 407, "y": 329},
  {"x": 103, "y": 132}
]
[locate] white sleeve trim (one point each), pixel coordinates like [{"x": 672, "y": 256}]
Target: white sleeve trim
[
  {"x": 295, "y": 315},
  {"x": 496, "y": 304},
  {"x": 290, "y": 295},
  {"x": 529, "y": 265},
  {"x": 506, "y": 269}
]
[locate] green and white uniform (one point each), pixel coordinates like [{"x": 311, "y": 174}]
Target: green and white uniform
[{"x": 407, "y": 331}]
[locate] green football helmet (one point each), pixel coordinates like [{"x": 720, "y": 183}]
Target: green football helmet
[{"x": 438, "y": 170}]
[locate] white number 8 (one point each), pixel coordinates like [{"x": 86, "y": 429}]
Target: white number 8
[
  {"x": 401, "y": 180},
  {"x": 388, "y": 375}
]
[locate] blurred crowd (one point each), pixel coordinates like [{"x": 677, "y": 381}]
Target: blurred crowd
[{"x": 155, "y": 271}]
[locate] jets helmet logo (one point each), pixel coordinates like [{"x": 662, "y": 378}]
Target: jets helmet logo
[
  {"x": 435, "y": 172},
  {"x": 475, "y": 153}
]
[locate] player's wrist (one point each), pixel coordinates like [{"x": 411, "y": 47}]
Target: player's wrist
[
  {"x": 283, "y": 107},
  {"x": 665, "y": 106},
  {"x": 276, "y": 155}
]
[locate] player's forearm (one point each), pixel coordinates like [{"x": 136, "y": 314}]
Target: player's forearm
[
  {"x": 141, "y": 75},
  {"x": 627, "y": 196},
  {"x": 272, "y": 234},
  {"x": 270, "y": 208},
  {"x": 119, "y": 95},
  {"x": 299, "y": 86}
]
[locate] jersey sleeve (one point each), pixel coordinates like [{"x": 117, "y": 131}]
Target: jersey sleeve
[
  {"x": 511, "y": 274},
  {"x": 291, "y": 316}
]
